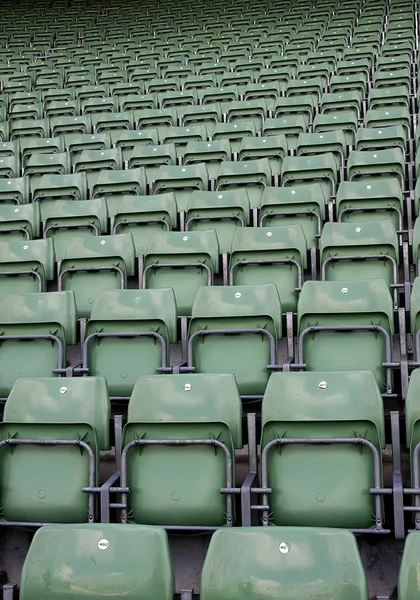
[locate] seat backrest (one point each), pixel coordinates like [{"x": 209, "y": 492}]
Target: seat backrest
[
  {"x": 104, "y": 246},
  {"x": 306, "y": 398},
  {"x": 33, "y": 252},
  {"x": 179, "y": 243},
  {"x": 99, "y": 560},
  {"x": 274, "y": 239},
  {"x": 61, "y": 400},
  {"x": 66, "y": 210},
  {"x": 52, "y": 309},
  {"x": 191, "y": 398},
  {"x": 137, "y": 305},
  {"x": 239, "y": 301},
  {"x": 283, "y": 562},
  {"x": 374, "y": 237},
  {"x": 408, "y": 575},
  {"x": 415, "y": 306},
  {"x": 327, "y": 301}
]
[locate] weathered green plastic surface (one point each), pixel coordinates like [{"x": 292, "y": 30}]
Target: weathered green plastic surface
[
  {"x": 34, "y": 313},
  {"x": 416, "y": 245},
  {"x": 96, "y": 251},
  {"x": 224, "y": 205},
  {"x": 19, "y": 217},
  {"x": 116, "y": 183},
  {"x": 151, "y": 158},
  {"x": 25, "y": 255},
  {"x": 74, "y": 219},
  {"x": 272, "y": 147},
  {"x": 61, "y": 400},
  {"x": 257, "y": 563},
  {"x": 237, "y": 307},
  {"x": 335, "y": 303},
  {"x": 44, "y": 482},
  {"x": 292, "y": 200},
  {"x": 356, "y": 239},
  {"x": 212, "y": 153},
  {"x": 316, "y": 143},
  {"x": 185, "y": 407},
  {"x": 277, "y": 243},
  {"x": 14, "y": 191},
  {"x": 415, "y": 306},
  {"x": 379, "y": 193},
  {"x": 308, "y": 484},
  {"x": 181, "y": 181},
  {"x": 141, "y": 209},
  {"x": 408, "y": 580},
  {"x": 321, "y": 167},
  {"x": 39, "y": 163},
  {"x": 107, "y": 561},
  {"x": 254, "y": 175},
  {"x": 177, "y": 247},
  {"x": 123, "y": 360},
  {"x": 361, "y": 163},
  {"x": 48, "y": 188},
  {"x": 381, "y": 137}
]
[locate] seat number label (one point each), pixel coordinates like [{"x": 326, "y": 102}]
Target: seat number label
[{"x": 103, "y": 544}]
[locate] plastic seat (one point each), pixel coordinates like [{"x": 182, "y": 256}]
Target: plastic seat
[
  {"x": 52, "y": 187},
  {"x": 326, "y": 405},
  {"x": 389, "y": 162},
  {"x": 9, "y": 167},
  {"x": 343, "y": 100},
  {"x": 181, "y": 180},
  {"x": 151, "y": 158},
  {"x": 143, "y": 216},
  {"x": 76, "y": 143},
  {"x": 370, "y": 199},
  {"x": 270, "y": 255},
  {"x": 223, "y": 212},
  {"x": 412, "y": 429},
  {"x": 97, "y": 160},
  {"x": 128, "y": 336},
  {"x": 291, "y": 126},
  {"x": 346, "y": 324},
  {"x": 388, "y": 117},
  {"x": 128, "y": 140},
  {"x": 107, "y": 552},
  {"x": 388, "y": 97},
  {"x": 68, "y": 219},
  {"x": 407, "y": 576},
  {"x": 250, "y": 110},
  {"x": 93, "y": 264},
  {"x": 380, "y": 138},
  {"x": 250, "y": 353},
  {"x": 29, "y": 127},
  {"x": 303, "y": 205},
  {"x": 344, "y": 120},
  {"x": 29, "y": 146},
  {"x": 234, "y": 132},
  {"x": 19, "y": 222},
  {"x": 181, "y": 261},
  {"x": 49, "y": 321},
  {"x": 107, "y": 121},
  {"x": 207, "y": 114},
  {"x": 25, "y": 266},
  {"x": 63, "y": 125},
  {"x": 112, "y": 185},
  {"x": 181, "y": 136},
  {"x": 319, "y": 167},
  {"x": 365, "y": 250},
  {"x": 320, "y": 143},
  {"x": 44, "y": 410},
  {"x": 258, "y": 558},
  {"x": 254, "y": 175},
  {"x": 14, "y": 191},
  {"x": 39, "y": 164},
  {"x": 200, "y": 407},
  {"x": 157, "y": 118},
  {"x": 273, "y": 147}
]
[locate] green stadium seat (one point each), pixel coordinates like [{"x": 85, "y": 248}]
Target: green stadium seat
[
  {"x": 151, "y": 158},
  {"x": 65, "y": 125},
  {"x": 223, "y": 212},
  {"x": 320, "y": 167},
  {"x": 226, "y": 335},
  {"x": 181, "y": 261},
  {"x": 254, "y": 175},
  {"x": 28, "y": 146},
  {"x": 96, "y": 568},
  {"x": 380, "y": 138},
  {"x": 25, "y": 266},
  {"x": 234, "y": 132},
  {"x": 346, "y": 324},
  {"x": 128, "y": 140},
  {"x": 114, "y": 184},
  {"x": 211, "y": 153},
  {"x": 370, "y": 199},
  {"x": 273, "y": 147},
  {"x": 128, "y": 336},
  {"x": 389, "y": 162},
  {"x": 268, "y": 561},
  {"x": 49, "y": 188},
  {"x": 407, "y": 576},
  {"x": 39, "y": 164},
  {"x": 324, "y": 407},
  {"x": 19, "y": 222},
  {"x": 182, "y": 181},
  {"x": 48, "y": 321},
  {"x": 199, "y": 407},
  {"x": 366, "y": 250},
  {"x": 303, "y": 205},
  {"x": 68, "y": 219},
  {"x": 93, "y": 264},
  {"x": 344, "y": 120},
  {"x": 270, "y": 255},
  {"x": 46, "y": 480}
]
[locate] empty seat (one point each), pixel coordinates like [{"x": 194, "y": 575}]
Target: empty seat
[
  {"x": 127, "y": 336},
  {"x": 46, "y": 480},
  {"x": 143, "y": 216},
  {"x": 321, "y": 408},
  {"x": 408, "y": 587},
  {"x": 365, "y": 250},
  {"x": 96, "y": 263},
  {"x": 68, "y": 219},
  {"x": 25, "y": 266},
  {"x": 254, "y": 175},
  {"x": 199, "y": 407},
  {"x": 49, "y": 188},
  {"x": 270, "y": 255},
  {"x": 319, "y": 167},
  {"x": 181, "y": 180},
  {"x": 48, "y": 321},
  {"x": 347, "y": 324},
  {"x": 286, "y": 562},
  {"x": 19, "y": 222},
  {"x": 100, "y": 557},
  {"x": 234, "y": 330},
  {"x": 303, "y": 205},
  {"x": 183, "y": 261},
  {"x": 222, "y": 211},
  {"x": 389, "y": 162}
]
